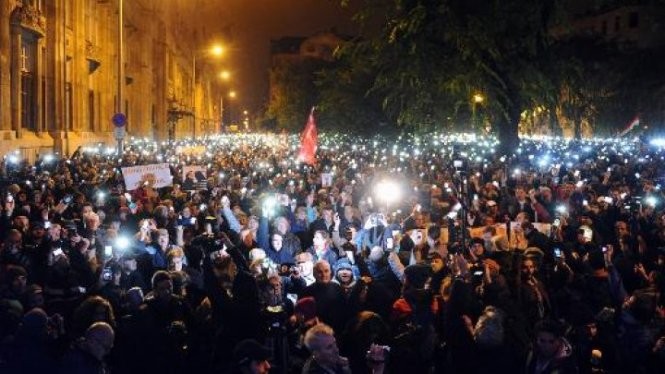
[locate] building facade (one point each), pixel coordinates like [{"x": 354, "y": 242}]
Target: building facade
[{"x": 59, "y": 74}]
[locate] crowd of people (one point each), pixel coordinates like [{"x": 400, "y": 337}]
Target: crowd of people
[{"x": 389, "y": 255}]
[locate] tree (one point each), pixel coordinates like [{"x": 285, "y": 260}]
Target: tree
[
  {"x": 294, "y": 92},
  {"x": 431, "y": 55}
]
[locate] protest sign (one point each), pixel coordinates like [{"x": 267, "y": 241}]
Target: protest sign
[{"x": 153, "y": 175}]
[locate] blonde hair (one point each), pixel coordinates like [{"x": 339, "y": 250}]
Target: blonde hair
[{"x": 313, "y": 335}]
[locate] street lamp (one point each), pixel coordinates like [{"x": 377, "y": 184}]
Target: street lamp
[
  {"x": 232, "y": 95},
  {"x": 476, "y": 100},
  {"x": 217, "y": 51}
]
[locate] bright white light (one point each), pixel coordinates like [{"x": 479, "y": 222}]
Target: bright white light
[
  {"x": 562, "y": 209},
  {"x": 122, "y": 242},
  {"x": 651, "y": 201},
  {"x": 658, "y": 142},
  {"x": 387, "y": 191},
  {"x": 49, "y": 158}
]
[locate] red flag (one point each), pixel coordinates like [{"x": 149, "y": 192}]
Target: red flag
[
  {"x": 308, "y": 141},
  {"x": 634, "y": 123}
]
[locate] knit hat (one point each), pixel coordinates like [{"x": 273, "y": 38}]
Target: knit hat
[
  {"x": 343, "y": 264},
  {"x": 307, "y": 307}
]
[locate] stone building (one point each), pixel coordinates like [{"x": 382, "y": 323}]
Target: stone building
[{"x": 59, "y": 73}]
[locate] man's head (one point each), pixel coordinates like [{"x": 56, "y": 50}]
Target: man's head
[
  {"x": 344, "y": 272},
  {"x": 549, "y": 339},
  {"x": 175, "y": 259},
  {"x": 162, "y": 285},
  {"x": 305, "y": 264},
  {"x": 528, "y": 268},
  {"x": 251, "y": 357},
  {"x": 477, "y": 247},
  {"x": 55, "y": 231},
  {"x": 99, "y": 339},
  {"x": 282, "y": 225},
  {"x": 520, "y": 193},
  {"x": 37, "y": 230},
  {"x": 320, "y": 241},
  {"x": 163, "y": 238},
  {"x": 322, "y": 272},
  {"x": 128, "y": 263},
  {"x": 436, "y": 262},
  {"x": 621, "y": 229},
  {"x": 320, "y": 340}
]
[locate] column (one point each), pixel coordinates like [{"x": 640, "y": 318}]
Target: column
[{"x": 6, "y": 8}]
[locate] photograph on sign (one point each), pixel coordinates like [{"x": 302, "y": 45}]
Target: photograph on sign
[{"x": 194, "y": 177}]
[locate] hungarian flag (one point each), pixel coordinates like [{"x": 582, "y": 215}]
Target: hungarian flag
[
  {"x": 308, "y": 140},
  {"x": 634, "y": 123}
]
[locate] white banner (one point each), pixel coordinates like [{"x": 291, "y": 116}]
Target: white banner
[{"x": 154, "y": 175}]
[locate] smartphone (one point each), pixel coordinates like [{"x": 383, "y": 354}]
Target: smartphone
[
  {"x": 10, "y": 198},
  {"x": 389, "y": 243},
  {"x": 557, "y": 252},
  {"x": 192, "y": 221},
  {"x": 108, "y": 251},
  {"x": 604, "y": 249},
  {"x": 478, "y": 273},
  {"x": 145, "y": 225},
  {"x": 58, "y": 252},
  {"x": 556, "y": 222},
  {"x": 47, "y": 224},
  {"x": 107, "y": 274},
  {"x": 67, "y": 199}
]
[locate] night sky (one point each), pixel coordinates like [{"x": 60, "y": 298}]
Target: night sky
[{"x": 251, "y": 24}]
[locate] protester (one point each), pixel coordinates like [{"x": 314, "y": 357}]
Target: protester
[{"x": 550, "y": 259}]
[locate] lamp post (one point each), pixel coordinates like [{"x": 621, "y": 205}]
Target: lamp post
[
  {"x": 476, "y": 100},
  {"x": 223, "y": 75},
  {"x": 217, "y": 51}
]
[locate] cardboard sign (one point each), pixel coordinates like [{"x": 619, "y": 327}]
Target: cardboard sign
[{"x": 153, "y": 175}]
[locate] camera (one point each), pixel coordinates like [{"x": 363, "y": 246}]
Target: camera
[{"x": 557, "y": 252}]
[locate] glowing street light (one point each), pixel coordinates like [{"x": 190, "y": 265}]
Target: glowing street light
[
  {"x": 217, "y": 50},
  {"x": 225, "y": 75},
  {"x": 476, "y": 99}
]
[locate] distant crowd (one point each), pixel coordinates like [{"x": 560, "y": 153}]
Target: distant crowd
[{"x": 389, "y": 255}]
